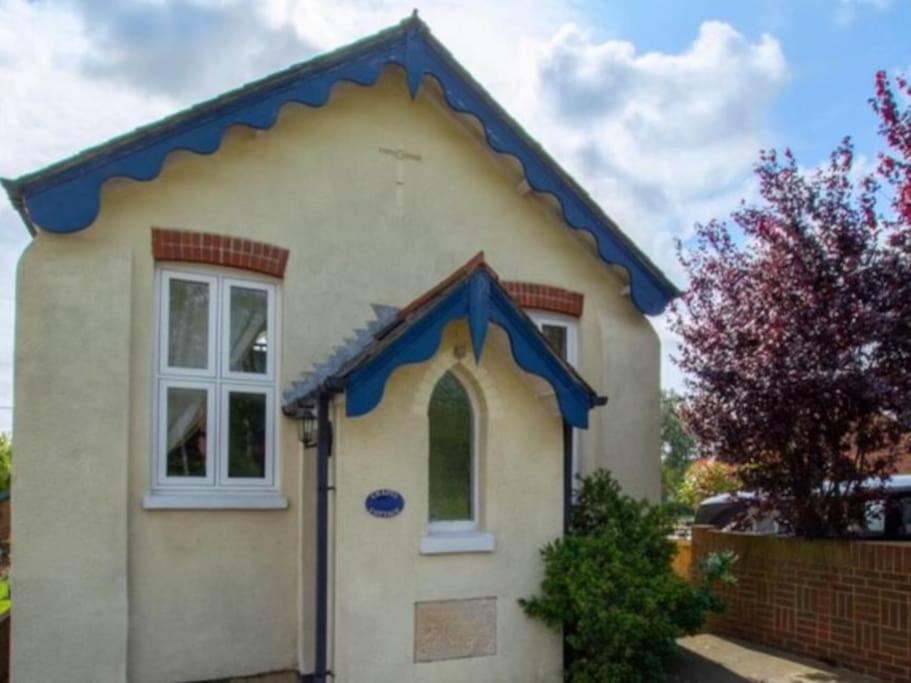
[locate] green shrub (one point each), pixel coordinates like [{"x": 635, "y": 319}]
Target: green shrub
[{"x": 609, "y": 586}]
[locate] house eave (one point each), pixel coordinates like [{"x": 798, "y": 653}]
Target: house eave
[{"x": 65, "y": 197}]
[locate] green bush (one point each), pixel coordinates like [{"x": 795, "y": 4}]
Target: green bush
[{"x": 609, "y": 586}]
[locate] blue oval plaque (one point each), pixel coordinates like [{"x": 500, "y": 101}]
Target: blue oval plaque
[{"x": 384, "y": 503}]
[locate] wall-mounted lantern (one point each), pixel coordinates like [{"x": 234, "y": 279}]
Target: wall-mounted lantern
[{"x": 308, "y": 427}]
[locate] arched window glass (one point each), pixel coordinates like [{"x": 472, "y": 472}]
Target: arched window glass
[{"x": 451, "y": 454}]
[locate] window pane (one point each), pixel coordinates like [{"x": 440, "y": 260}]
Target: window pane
[
  {"x": 249, "y": 330},
  {"x": 188, "y": 324},
  {"x": 556, "y": 337},
  {"x": 186, "y": 436},
  {"x": 450, "y": 451},
  {"x": 246, "y": 435}
]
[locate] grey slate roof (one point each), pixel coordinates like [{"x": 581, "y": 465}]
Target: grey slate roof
[{"x": 349, "y": 349}]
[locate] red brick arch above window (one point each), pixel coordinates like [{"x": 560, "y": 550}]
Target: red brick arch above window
[
  {"x": 546, "y": 298},
  {"x": 218, "y": 250}
]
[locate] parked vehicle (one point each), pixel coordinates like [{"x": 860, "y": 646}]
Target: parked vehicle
[{"x": 887, "y": 519}]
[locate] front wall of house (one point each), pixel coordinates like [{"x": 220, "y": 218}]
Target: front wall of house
[
  {"x": 380, "y": 573},
  {"x": 212, "y": 593}
]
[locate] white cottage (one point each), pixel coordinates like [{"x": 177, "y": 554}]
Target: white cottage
[{"x": 241, "y": 450}]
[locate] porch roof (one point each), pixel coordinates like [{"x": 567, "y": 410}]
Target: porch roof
[{"x": 361, "y": 366}]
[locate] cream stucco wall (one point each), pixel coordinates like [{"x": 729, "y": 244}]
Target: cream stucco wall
[
  {"x": 212, "y": 593},
  {"x": 380, "y": 573},
  {"x": 71, "y": 429}
]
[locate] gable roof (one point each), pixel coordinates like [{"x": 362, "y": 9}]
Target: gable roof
[
  {"x": 65, "y": 197},
  {"x": 361, "y": 366}
]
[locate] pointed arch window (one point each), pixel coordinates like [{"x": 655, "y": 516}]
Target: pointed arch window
[{"x": 453, "y": 457}]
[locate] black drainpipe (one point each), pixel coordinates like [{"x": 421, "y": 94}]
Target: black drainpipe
[
  {"x": 567, "y": 474},
  {"x": 323, "y": 453},
  {"x": 567, "y": 511}
]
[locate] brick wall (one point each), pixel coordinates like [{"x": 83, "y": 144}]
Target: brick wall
[{"x": 845, "y": 602}]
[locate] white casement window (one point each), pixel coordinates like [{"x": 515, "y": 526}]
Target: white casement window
[
  {"x": 562, "y": 332},
  {"x": 215, "y": 386}
]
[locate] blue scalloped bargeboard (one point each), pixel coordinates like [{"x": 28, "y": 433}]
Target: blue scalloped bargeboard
[
  {"x": 482, "y": 302},
  {"x": 69, "y": 200}
]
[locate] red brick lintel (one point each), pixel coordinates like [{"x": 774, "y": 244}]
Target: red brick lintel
[
  {"x": 218, "y": 250},
  {"x": 546, "y": 298}
]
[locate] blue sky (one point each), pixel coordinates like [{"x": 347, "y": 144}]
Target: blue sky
[
  {"x": 658, "y": 107},
  {"x": 833, "y": 49}
]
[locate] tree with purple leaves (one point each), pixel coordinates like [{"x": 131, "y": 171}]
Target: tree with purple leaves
[{"x": 796, "y": 332}]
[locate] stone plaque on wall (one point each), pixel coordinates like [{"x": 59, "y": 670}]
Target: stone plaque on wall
[{"x": 454, "y": 629}]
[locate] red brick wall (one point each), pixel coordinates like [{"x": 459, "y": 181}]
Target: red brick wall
[{"x": 845, "y": 602}]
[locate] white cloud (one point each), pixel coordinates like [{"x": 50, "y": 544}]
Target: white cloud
[
  {"x": 660, "y": 139},
  {"x": 178, "y": 48},
  {"x": 48, "y": 111},
  {"x": 847, "y": 10}
]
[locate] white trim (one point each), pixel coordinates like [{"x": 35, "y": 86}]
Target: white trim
[
  {"x": 271, "y": 337},
  {"x": 468, "y": 542},
  {"x": 214, "y": 501},
  {"x": 161, "y": 454},
  {"x": 453, "y": 526},
  {"x": 189, "y": 492},
  {"x": 462, "y": 525},
  {"x": 164, "y": 321},
  {"x": 571, "y": 325},
  {"x": 224, "y": 479}
]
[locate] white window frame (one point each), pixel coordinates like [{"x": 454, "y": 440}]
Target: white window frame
[
  {"x": 462, "y": 525},
  {"x": 571, "y": 325},
  {"x": 211, "y": 438},
  {"x": 462, "y": 536},
  {"x": 216, "y": 489},
  {"x": 224, "y": 479},
  {"x": 164, "y": 326},
  {"x": 225, "y": 356}
]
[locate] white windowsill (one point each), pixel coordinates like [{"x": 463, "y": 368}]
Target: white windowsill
[
  {"x": 214, "y": 501},
  {"x": 457, "y": 542}
]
